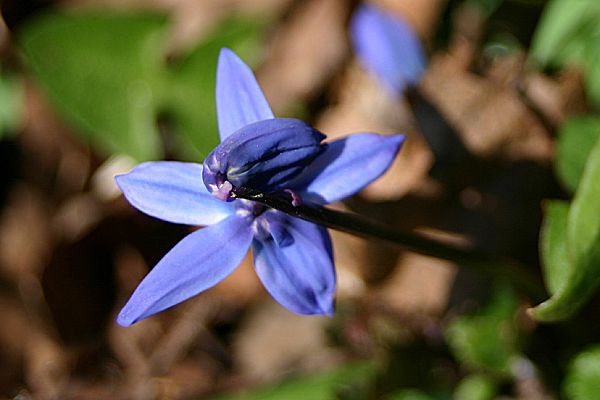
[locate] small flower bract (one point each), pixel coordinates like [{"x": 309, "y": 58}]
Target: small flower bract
[{"x": 293, "y": 258}]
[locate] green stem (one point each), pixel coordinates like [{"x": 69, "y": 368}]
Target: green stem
[{"x": 354, "y": 224}]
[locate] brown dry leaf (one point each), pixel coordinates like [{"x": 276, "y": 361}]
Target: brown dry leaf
[
  {"x": 130, "y": 269},
  {"x": 14, "y": 326},
  {"x": 25, "y": 238},
  {"x": 305, "y": 53},
  {"x": 489, "y": 115},
  {"x": 274, "y": 342},
  {"x": 241, "y": 287},
  {"x": 361, "y": 105},
  {"x": 350, "y": 253},
  {"x": 188, "y": 379},
  {"x": 418, "y": 285},
  {"x": 76, "y": 216},
  {"x": 153, "y": 351},
  {"x": 361, "y": 261},
  {"x": 54, "y": 156},
  {"x": 422, "y": 15},
  {"x": 556, "y": 98},
  {"x": 103, "y": 184},
  {"x": 3, "y": 34},
  {"x": 190, "y": 323},
  {"x": 46, "y": 366},
  {"x": 130, "y": 346}
]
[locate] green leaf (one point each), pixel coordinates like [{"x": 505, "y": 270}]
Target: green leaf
[
  {"x": 576, "y": 138},
  {"x": 592, "y": 76},
  {"x": 191, "y": 96},
  {"x": 583, "y": 377},
  {"x": 487, "y": 341},
  {"x": 107, "y": 73},
  {"x": 408, "y": 394},
  {"x": 553, "y": 245},
  {"x": 565, "y": 31},
  {"x": 11, "y": 104},
  {"x": 323, "y": 386},
  {"x": 482, "y": 343},
  {"x": 568, "y": 34},
  {"x": 583, "y": 247},
  {"x": 475, "y": 387},
  {"x": 102, "y": 71}
]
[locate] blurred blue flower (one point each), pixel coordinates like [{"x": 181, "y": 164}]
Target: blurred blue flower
[
  {"x": 293, "y": 258},
  {"x": 388, "y": 47}
]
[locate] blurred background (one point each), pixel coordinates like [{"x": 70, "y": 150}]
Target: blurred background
[{"x": 89, "y": 88}]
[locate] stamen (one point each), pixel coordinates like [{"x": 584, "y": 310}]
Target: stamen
[
  {"x": 224, "y": 191},
  {"x": 296, "y": 199}
]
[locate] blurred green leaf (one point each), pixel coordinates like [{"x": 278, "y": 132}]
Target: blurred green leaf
[
  {"x": 102, "y": 70},
  {"x": 592, "y": 76},
  {"x": 11, "y": 104},
  {"x": 475, "y": 387},
  {"x": 569, "y": 33},
  {"x": 409, "y": 394},
  {"x": 576, "y": 138},
  {"x": 583, "y": 377},
  {"x": 107, "y": 73},
  {"x": 553, "y": 245},
  {"x": 583, "y": 247},
  {"x": 324, "y": 386},
  {"x": 487, "y": 341},
  {"x": 487, "y": 7},
  {"x": 564, "y": 32},
  {"x": 191, "y": 95}
]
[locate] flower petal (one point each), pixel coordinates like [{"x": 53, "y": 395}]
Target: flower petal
[
  {"x": 346, "y": 166},
  {"x": 174, "y": 192},
  {"x": 388, "y": 47},
  {"x": 199, "y": 261},
  {"x": 264, "y": 155},
  {"x": 298, "y": 274},
  {"x": 240, "y": 101}
]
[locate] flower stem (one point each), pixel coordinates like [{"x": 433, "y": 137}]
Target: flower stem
[{"x": 465, "y": 256}]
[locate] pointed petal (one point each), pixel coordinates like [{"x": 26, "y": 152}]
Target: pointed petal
[
  {"x": 199, "y": 261},
  {"x": 299, "y": 274},
  {"x": 264, "y": 155},
  {"x": 388, "y": 47},
  {"x": 346, "y": 166},
  {"x": 174, "y": 192},
  {"x": 240, "y": 101}
]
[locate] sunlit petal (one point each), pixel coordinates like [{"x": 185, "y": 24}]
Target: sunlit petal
[
  {"x": 174, "y": 192},
  {"x": 199, "y": 261},
  {"x": 299, "y": 273},
  {"x": 240, "y": 101},
  {"x": 347, "y": 166}
]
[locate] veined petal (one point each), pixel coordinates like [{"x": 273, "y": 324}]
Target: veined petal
[
  {"x": 299, "y": 274},
  {"x": 199, "y": 261},
  {"x": 346, "y": 166},
  {"x": 264, "y": 155},
  {"x": 240, "y": 101},
  {"x": 174, "y": 192},
  {"x": 388, "y": 47}
]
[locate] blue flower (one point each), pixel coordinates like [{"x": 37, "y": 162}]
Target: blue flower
[
  {"x": 388, "y": 47},
  {"x": 293, "y": 258}
]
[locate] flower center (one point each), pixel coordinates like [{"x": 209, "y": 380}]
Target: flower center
[{"x": 223, "y": 190}]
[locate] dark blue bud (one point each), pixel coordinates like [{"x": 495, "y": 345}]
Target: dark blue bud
[{"x": 264, "y": 155}]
